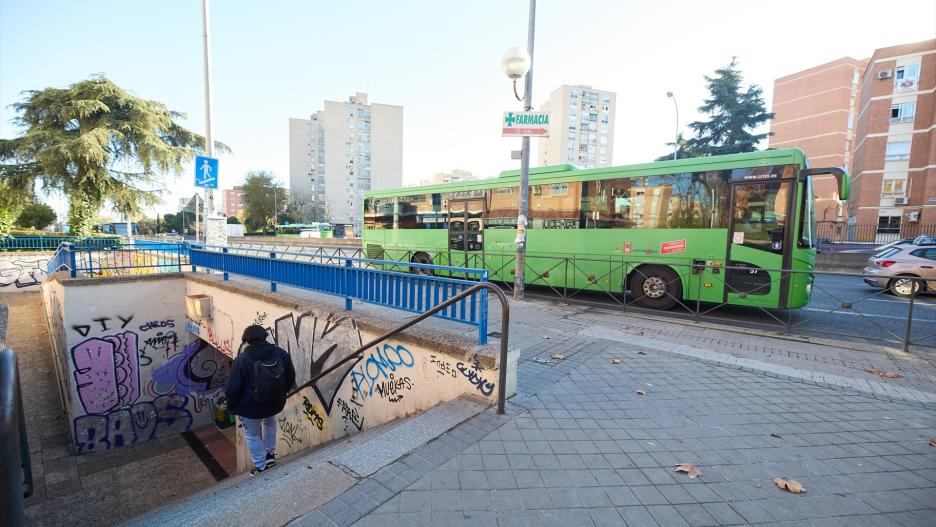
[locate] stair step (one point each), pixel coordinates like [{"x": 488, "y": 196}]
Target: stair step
[{"x": 303, "y": 482}]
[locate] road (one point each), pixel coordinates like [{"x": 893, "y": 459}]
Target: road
[{"x": 874, "y": 314}]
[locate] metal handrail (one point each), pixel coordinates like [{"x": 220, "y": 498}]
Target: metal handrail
[
  {"x": 16, "y": 479},
  {"x": 505, "y": 330}
]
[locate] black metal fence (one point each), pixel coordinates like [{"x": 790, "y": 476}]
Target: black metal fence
[{"x": 871, "y": 233}]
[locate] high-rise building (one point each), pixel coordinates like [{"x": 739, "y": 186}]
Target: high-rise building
[
  {"x": 894, "y": 168},
  {"x": 816, "y": 110},
  {"x": 343, "y": 151},
  {"x": 581, "y": 129},
  {"x": 234, "y": 204},
  {"x": 455, "y": 176},
  {"x": 877, "y": 118}
]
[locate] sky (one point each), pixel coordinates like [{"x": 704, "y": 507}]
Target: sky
[{"x": 439, "y": 59}]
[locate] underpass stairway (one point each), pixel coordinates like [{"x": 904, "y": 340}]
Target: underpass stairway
[{"x": 303, "y": 482}]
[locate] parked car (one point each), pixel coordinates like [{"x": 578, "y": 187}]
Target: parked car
[
  {"x": 923, "y": 239},
  {"x": 894, "y": 268}
]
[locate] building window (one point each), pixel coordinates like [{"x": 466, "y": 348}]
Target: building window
[
  {"x": 893, "y": 187},
  {"x": 906, "y": 77},
  {"x": 903, "y": 112},
  {"x": 888, "y": 225},
  {"x": 897, "y": 150}
]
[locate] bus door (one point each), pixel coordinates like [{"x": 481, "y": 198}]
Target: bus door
[
  {"x": 759, "y": 232},
  {"x": 466, "y": 233}
]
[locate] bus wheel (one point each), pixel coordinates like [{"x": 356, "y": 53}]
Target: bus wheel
[
  {"x": 421, "y": 258},
  {"x": 655, "y": 286}
]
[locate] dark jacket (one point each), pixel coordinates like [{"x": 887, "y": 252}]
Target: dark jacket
[{"x": 239, "y": 384}]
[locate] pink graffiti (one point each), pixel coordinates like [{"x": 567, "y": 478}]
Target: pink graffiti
[{"x": 107, "y": 372}]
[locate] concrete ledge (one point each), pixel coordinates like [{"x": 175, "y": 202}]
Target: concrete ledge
[
  {"x": 65, "y": 278},
  {"x": 842, "y": 262}
]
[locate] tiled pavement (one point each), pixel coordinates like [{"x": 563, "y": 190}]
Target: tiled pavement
[{"x": 581, "y": 447}]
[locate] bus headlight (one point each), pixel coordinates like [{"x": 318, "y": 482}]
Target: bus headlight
[{"x": 809, "y": 289}]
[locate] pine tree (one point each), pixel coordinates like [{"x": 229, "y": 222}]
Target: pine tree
[
  {"x": 98, "y": 144},
  {"x": 733, "y": 113}
]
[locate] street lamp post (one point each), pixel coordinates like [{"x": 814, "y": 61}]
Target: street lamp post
[
  {"x": 516, "y": 64},
  {"x": 275, "y": 210},
  {"x": 209, "y": 210},
  {"x": 676, "y": 140}
]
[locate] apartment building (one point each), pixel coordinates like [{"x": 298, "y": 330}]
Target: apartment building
[
  {"x": 894, "y": 167},
  {"x": 816, "y": 110},
  {"x": 877, "y": 118},
  {"x": 344, "y": 150},
  {"x": 582, "y": 130},
  {"x": 234, "y": 204}
]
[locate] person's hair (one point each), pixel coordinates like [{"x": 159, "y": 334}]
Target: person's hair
[{"x": 254, "y": 333}]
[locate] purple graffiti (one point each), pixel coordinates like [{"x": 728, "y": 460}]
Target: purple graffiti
[
  {"x": 199, "y": 368},
  {"x": 141, "y": 422},
  {"x": 107, "y": 372}
]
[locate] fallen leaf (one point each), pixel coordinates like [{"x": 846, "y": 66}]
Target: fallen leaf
[
  {"x": 790, "y": 485},
  {"x": 641, "y": 353},
  {"x": 933, "y": 441},
  {"x": 891, "y": 374},
  {"x": 690, "y": 469},
  {"x": 640, "y": 333},
  {"x": 778, "y": 436},
  {"x": 558, "y": 356},
  {"x": 874, "y": 371},
  {"x": 641, "y": 392},
  {"x": 615, "y": 361}
]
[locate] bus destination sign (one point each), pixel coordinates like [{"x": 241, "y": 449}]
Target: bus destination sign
[{"x": 529, "y": 124}]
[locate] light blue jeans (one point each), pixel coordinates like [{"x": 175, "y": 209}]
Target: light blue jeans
[{"x": 260, "y": 443}]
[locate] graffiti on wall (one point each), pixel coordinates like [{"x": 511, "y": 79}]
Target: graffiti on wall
[
  {"x": 377, "y": 371},
  {"x": 317, "y": 344},
  {"x": 140, "y": 422},
  {"x": 199, "y": 369},
  {"x": 107, "y": 372},
  {"x": 22, "y": 271},
  {"x": 350, "y": 414},
  {"x": 474, "y": 375}
]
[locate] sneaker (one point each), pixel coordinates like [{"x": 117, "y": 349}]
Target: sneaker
[
  {"x": 271, "y": 460},
  {"x": 256, "y": 470}
]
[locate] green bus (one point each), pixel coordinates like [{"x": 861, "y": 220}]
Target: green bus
[{"x": 665, "y": 231}]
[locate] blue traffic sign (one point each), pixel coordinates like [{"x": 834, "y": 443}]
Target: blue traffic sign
[{"x": 206, "y": 172}]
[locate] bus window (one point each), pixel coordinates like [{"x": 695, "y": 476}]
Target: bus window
[
  {"x": 608, "y": 203},
  {"x": 378, "y": 213},
  {"x": 760, "y": 214},
  {"x": 501, "y": 209},
  {"x": 555, "y": 205}
]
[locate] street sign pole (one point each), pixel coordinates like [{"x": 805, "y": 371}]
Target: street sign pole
[
  {"x": 209, "y": 203},
  {"x": 525, "y": 167}
]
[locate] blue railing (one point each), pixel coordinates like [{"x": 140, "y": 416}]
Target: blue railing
[
  {"x": 51, "y": 243},
  {"x": 137, "y": 258},
  {"x": 16, "y": 478},
  {"x": 360, "y": 279}
]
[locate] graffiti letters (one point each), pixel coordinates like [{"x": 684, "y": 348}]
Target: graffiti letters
[
  {"x": 198, "y": 369},
  {"x": 193, "y": 326},
  {"x": 141, "y": 422},
  {"x": 311, "y": 413},
  {"x": 224, "y": 345},
  {"x": 379, "y": 366},
  {"x": 350, "y": 415},
  {"x": 84, "y": 329},
  {"x": 156, "y": 324},
  {"x": 392, "y": 389},
  {"x": 315, "y": 345},
  {"x": 473, "y": 374},
  {"x": 260, "y": 318},
  {"x": 107, "y": 372},
  {"x": 442, "y": 368},
  {"x": 290, "y": 431},
  {"x": 167, "y": 342},
  {"x": 22, "y": 271}
]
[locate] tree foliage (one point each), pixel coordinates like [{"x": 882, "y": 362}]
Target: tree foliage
[
  {"x": 733, "y": 112},
  {"x": 36, "y": 216},
  {"x": 233, "y": 220},
  {"x": 683, "y": 152},
  {"x": 98, "y": 144},
  {"x": 261, "y": 191}
]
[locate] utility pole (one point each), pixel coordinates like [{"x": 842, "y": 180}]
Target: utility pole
[
  {"x": 209, "y": 193},
  {"x": 525, "y": 167}
]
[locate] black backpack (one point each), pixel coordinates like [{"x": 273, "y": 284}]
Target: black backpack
[{"x": 269, "y": 379}]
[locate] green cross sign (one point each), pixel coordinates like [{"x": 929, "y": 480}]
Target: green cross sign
[{"x": 526, "y": 124}]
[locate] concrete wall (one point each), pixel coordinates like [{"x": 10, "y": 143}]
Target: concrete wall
[
  {"x": 125, "y": 372},
  {"x": 399, "y": 377},
  {"x": 842, "y": 262},
  {"x": 22, "y": 271}
]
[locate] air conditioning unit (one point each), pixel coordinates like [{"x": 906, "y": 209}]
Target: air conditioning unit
[
  {"x": 884, "y": 74},
  {"x": 900, "y": 201}
]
